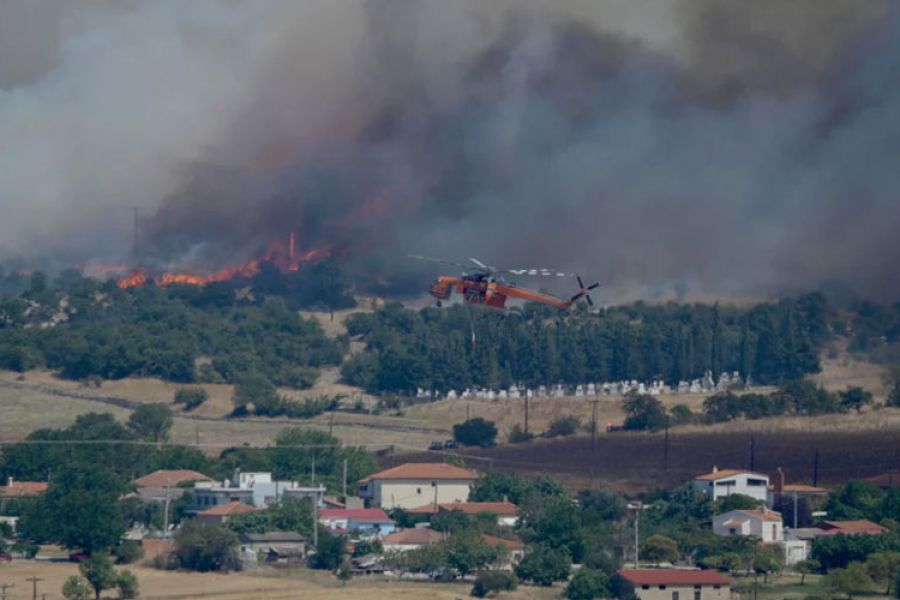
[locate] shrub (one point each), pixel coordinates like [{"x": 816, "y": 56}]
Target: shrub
[
  {"x": 543, "y": 565},
  {"x": 191, "y": 397},
  {"x": 563, "y": 426},
  {"x": 128, "y": 552},
  {"x": 517, "y": 435},
  {"x": 493, "y": 581},
  {"x": 588, "y": 584}
]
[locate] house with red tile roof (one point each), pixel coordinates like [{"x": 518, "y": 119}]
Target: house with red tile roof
[
  {"x": 674, "y": 584},
  {"x": 411, "y": 485},
  {"x": 219, "y": 515},
  {"x": 885, "y": 480},
  {"x": 160, "y": 485},
  {"x": 371, "y": 521},
  {"x": 720, "y": 483},
  {"x": 507, "y": 513},
  {"x": 857, "y": 527},
  {"x": 17, "y": 489},
  {"x": 780, "y": 489},
  {"x": 411, "y": 539}
]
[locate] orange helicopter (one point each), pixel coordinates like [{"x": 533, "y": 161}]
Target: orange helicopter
[{"x": 486, "y": 286}]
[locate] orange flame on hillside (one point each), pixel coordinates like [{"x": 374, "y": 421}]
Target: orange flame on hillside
[{"x": 286, "y": 258}]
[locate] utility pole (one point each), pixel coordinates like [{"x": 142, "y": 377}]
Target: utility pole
[
  {"x": 593, "y": 424},
  {"x": 3, "y": 588},
  {"x": 666, "y": 447},
  {"x": 795, "y": 510},
  {"x": 816, "y": 468},
  {"x": 166, "y": 511},
  {"x": 637, "y": 519},
  {"x": 752, "y": 451},
  {"x": 344, "y": 488},
  {"x": 315, "y": 503},
  {"x": 34, "y": 581},
  {"x": 467, "y": 411},
  {"x": 526, "y": 412}
]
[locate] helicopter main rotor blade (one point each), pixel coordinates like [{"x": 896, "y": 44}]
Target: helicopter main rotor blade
[
  {"x": 539, "y": 272},
  {"x": 438, "y": 260},
  {"x": 482, "y": 266}
]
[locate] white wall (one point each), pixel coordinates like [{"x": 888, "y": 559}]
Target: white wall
[{"x": 411, "y": 494}]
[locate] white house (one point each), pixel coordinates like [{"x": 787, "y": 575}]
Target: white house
[
  {"x": 411, "y": 485},
  {"x": 365, "y": 520},
  {"x": 411, "y": 539},
  {"x": 762, "y": 524},
  {"x": 254, "y": 489},
  {"x": 725, "y": 482}
]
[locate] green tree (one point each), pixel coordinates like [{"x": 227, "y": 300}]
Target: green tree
[
  {"x": 892, "y": 385},
  {"x": 475, "y": 432},
  {"x": 151, "y": 422},
  {"x": 254, "y": 389},
  {"x": 854, "y": 500},
  {"x": 127, "y": 583},
  {"x": 855, "y": 398},
  {"x": 852, "y": 578},
  {"x": 329, "y": 552},
  {"x": 76, "y": 588},
  {"x": 807, "y": 567},
  {"x": 765, "y": 562},
  {"x": 562, "y": 426},
  {"x": 659, "y": 548},
  {"x": 543, "y": 565},
  {"x": 98, "y": 571},
  {"x": 467, "y": 552},
  {"x": 205, "y": 548},
  {"x": 884, "y": 567},
  {"x": 644, "y": 412},
  {"x": 127, "y": 552},
  {"x": 588, "y": 584},
  {"x": 735, "y": 502}
]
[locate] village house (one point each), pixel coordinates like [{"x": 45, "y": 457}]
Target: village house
[
  {"x": 365, "y": 521},
  {"x": 724, "y": 482},
  {"x": 411, "y": 485},
  {"x": 515, "y": 548},
  {"x": 254, "y": 489},
  {"x": 764, "y": 524},
  {"x": 674, "y": 584},
  {"x": 411, "y": 539},
  {"x": 219, "y": 515},
  {"x": 857, "y": 527},
  {"x": 779, "y": 490},
  {"x": 885, "y": 480},
  {"x": 18, "y": 489},
  {"x": 282, "y": 547},
  {"x": 507, "y": 513},
  {"x": 166, "y": 484}
]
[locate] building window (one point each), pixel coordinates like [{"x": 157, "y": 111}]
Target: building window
[
  {"x": 419, "y": 491},
  {"x": 645, "y": 587},
  {"x": 696, "y": 594},
  {"x": 756, "y": 482},
  {"x": 674, "y": 595},
  {"x": 732, "y": 531},
  {"x": 662, "y": 587},
  {"x": 715, "y": 587}
]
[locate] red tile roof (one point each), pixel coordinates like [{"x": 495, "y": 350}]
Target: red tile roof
[
  {"x": 427, "y": 471},
  {"x": 232, "y": 508},
  {"x": 419, "y": 536},
  {"x": 884, "y": 480},
  {"x": 501, "y": 509},
  {"x": 162, "y": 478},
  {"x": 674, "y": 577},
  {"x": 800, "y": 488},
  {"x": 492, "y": 540},
  {"x": 373, "y": 515},
  {"x": 724, "y": 473},
  {"x": 23, "y": 488},
  {"x": 858, "y": 527},
  {"x": 765, "y": 515}
]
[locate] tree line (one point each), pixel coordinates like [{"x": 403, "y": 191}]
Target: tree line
[{"x": 433, "y": 349}]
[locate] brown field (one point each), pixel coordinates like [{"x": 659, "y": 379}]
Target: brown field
[
  {"x": 263, "y": 585},
  {"x": 638, "y": 462}
]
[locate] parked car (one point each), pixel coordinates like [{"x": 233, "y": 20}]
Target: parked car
[
  {"x": 451, "y": 444},
  {"x": 436, "y": 446}
]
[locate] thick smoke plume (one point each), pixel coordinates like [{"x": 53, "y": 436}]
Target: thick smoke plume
[{"x": 657, "y": 146}]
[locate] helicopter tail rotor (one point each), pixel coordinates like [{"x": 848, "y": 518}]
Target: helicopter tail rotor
[{"x": 584, "y": 292}]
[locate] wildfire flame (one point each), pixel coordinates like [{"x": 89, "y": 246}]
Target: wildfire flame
[{"x": 287, "y": 258}]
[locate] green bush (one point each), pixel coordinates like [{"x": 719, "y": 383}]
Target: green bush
[
  {"x": 563, "y": 426},
  {"x": 487, "y": 582},
  {"x": 191, "y": 397},
  {"x": 475, "y": 432},
  {"x": 588, "y": 584}
]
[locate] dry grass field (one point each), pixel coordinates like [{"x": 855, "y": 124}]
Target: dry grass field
[
  {"x": 265, "y": 585},
  {"x": 38, "y": 399}
]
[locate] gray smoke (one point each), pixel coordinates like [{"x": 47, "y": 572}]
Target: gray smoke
[{"x": 728, "y": 148}]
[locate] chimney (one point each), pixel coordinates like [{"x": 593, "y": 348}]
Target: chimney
[
  {"x": 715, "y": 469},
  {"x": 778, "y": 487},
  {"x": 9, "y": 481}
]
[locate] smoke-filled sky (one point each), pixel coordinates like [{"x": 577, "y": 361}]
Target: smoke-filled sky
[{"x": 658, "y": 145}]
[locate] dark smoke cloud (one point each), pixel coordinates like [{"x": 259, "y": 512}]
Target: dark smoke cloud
[{"x": 721, "y": 147}]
